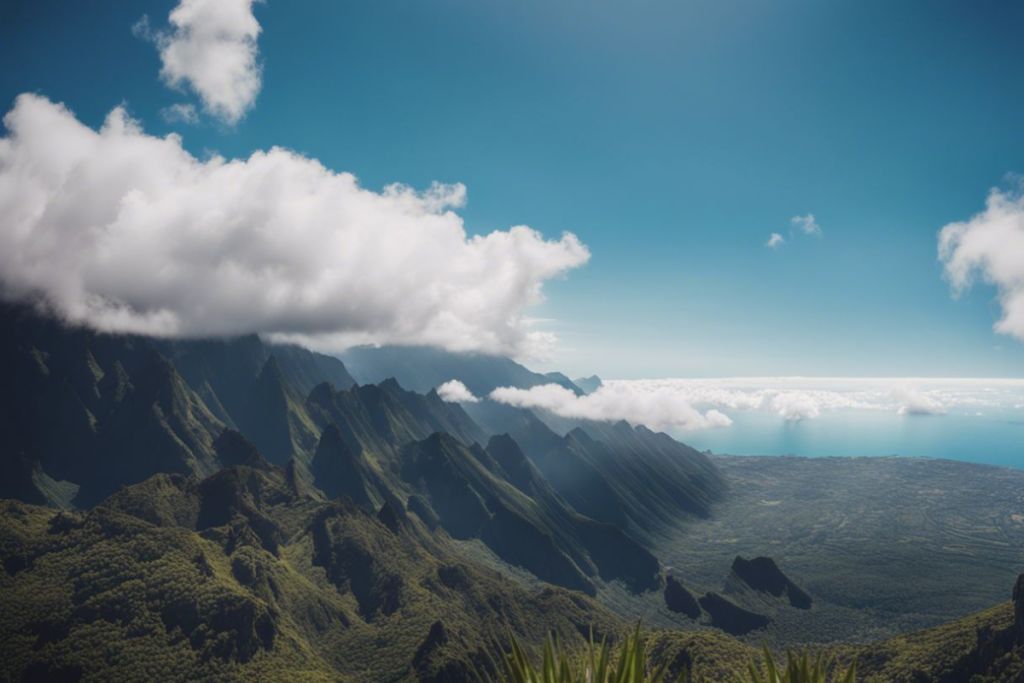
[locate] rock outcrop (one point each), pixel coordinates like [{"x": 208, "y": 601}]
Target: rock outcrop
[
  {"x": 679, "y": 599},
  {"x": 764, "y": 576}
]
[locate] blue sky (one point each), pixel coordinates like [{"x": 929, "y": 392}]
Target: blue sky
[{"x": 673, "y": 138}]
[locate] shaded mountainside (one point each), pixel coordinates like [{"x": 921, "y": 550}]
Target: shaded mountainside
[
  {"x": 226, "y": 368},
  {"x": 273, "y": 416},
  {"x": 422, "y": 368},
  {"x": 530, "y": 526},
  {"x": 85, "y": 413},
  {"x": 383, "y": 444},
  {"x": 633, "y": 478},
  {"x": 130, "y": 407},
  {"x": 378, "y": 419}
]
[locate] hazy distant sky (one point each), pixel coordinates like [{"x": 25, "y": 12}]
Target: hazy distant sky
[{"x": 673, "y": 138}]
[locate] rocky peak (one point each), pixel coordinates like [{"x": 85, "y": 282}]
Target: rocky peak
[{"x": 234, "y": 449}]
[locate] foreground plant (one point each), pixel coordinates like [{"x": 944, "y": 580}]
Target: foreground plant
[
  {"x": 599, "y": 665},
  {"x": 798, "y": 669}
]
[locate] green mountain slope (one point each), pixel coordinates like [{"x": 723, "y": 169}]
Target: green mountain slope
[
  {"x": 381, "y": 418},
  {"x": 236, "y": 577},
  {"x": 537, "y": 532},
  {"x": 633, "y": 478},
  {"x": 274, "y": 417},
  {"x": 986, "y": 647},
  {"x": 94, "y": 411},
  {"x": 382, "y": 443}
]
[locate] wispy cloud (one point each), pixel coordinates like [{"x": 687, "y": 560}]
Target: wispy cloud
[
  {"x": 991, "y": 246},
  {"x": 180, "y": 113},
  {"x": 806, "y": 224},
  {"x": 799, "y": 225},
  {"x": 127, "y": 232}
]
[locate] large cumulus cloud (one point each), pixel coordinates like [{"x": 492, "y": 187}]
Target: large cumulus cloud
[{"x": 126, "y": 232}]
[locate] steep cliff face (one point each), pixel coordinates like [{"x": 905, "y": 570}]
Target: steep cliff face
[
  {"x": 85, "y": 413},
  {"x": 631, "y": 477}
]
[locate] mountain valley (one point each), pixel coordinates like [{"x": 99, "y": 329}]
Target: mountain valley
[{"x": 236, "y": 508}]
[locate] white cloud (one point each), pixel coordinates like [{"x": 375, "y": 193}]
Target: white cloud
[
  {"x": 990, "y": 246},
  {"x": 454, "y": 391},
  {"x": 687, "y": 404},
  {"x": 180, "y": 113},
  {"x": 915, "y": 402},
  {"x": 775, "y": 240},
  {"x": 658, "y": 409},
  {"x": 794, "y": 406},
  {"x": 127, "y": 232},
  {"x": 806, "y": 224},
  {"x": 211, "y": 48}
]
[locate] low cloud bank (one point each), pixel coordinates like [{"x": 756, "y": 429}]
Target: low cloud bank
[
  {"x": 127, "y": 232},
  {"x": 915, "y": 402},
  {"x": 688, "y": 404},
  {"x": 611, "y": 402}
]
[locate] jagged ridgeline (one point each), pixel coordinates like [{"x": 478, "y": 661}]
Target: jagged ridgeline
[
  {"x": 240, "y": 508},
  {"x": 84, "y": 414}
]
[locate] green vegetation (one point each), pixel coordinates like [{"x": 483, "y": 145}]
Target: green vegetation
[
  {"x": 980, "y": 648},
  {"x": 596, "y": 665},
  {"x": 800, "y": 668},
  {"x": 242, "y": 576},
  {"x": 631, "y": 664},
  {"x": 236, "y": 577}
]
